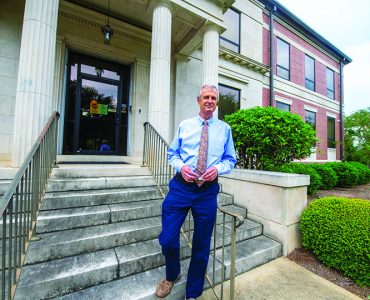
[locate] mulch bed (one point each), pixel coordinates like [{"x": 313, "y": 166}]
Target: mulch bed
[{"x": 307, "y": 259}]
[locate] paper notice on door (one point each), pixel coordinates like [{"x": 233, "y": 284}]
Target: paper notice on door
[{"x": 98, "y": 109}]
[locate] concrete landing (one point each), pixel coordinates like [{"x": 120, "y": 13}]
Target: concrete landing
[{"x": 282, "y": 279}]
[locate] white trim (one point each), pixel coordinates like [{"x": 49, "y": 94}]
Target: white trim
[
  {"x": 328, "y": 114},
  {"x": 283, "y": 100},
  {"x": 300, "y": 93},
  {"x": 309, "y": 108}
]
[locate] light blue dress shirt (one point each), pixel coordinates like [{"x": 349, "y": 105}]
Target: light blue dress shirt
[{"x": 185, "y": 145}]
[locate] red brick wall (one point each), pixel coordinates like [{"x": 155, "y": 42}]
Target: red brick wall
[
  {"x": 266, "y": 47},
  {"x": 265, "y": 97},
  {"x": 296, "y": 66},
  {"x": 304, "y": 44},
  {"x": 320, "y": 80},
  {"x": 297, "y": 59},
  {"x": 321, "y": 124}
]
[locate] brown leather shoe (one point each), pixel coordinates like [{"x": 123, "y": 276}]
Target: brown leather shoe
[{"x": 165, "y": 287}]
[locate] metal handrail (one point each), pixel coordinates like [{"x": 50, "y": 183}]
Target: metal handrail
[
  {"x": 155, "y": 158},
  {"x": 20, "y": 204}
]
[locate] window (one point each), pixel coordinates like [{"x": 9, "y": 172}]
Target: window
[
  {"x": 282, "y": 106},
  {"x": 231, "y": 37},
  {"x": 331, "y": 132},
  {"x": 330, "y": 83},
  {"x": 283, "y": 59},
  {"x": 310, "y": 118},
  {"x": 229, "y": 101},
  {"x": 309, "y": 68}
]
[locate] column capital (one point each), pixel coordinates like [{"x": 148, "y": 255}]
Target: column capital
[
  {"x": 209, "y": 25},
  {"x": 166, "y": 3}
]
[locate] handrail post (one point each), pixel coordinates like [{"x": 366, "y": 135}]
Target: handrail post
[{"x": 20, "y": 204}]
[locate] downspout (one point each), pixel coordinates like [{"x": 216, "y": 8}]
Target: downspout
[
  {"x": 341, "y": 140},
  {"x": 272, "y": 52}
]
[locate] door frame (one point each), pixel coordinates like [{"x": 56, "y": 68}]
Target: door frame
[{"x": 121, "y": 126}]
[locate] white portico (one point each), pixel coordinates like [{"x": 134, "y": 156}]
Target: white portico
[{"x": 151, "y": 39}]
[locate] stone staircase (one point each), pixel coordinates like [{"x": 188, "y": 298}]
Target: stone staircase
[{"x": 97, "y": 237}]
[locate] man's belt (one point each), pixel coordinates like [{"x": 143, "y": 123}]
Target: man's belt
[{"x": 179, "y": 178}]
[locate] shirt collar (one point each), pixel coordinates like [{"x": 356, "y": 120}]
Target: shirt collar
[{"x": 210, "y": 120}]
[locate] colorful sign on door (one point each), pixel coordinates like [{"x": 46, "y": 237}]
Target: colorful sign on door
[{"x": 98, "y": 109}]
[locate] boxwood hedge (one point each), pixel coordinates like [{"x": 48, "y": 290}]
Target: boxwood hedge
[
  {"x": 328, "y": 176},
  {"x": 348, "y": 175},
  {"x": 337, "y": 231},
  {"x": 298, "y": 168}
]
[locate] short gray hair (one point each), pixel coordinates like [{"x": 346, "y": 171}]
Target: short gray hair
[{"x": 208, "y": 86}]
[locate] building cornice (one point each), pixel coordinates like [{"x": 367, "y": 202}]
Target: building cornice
[{"x": 243, "y": 61}]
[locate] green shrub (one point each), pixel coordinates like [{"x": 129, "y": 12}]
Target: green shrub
[
  {"x": 266, "y": 136},
  {"x": 328, "y": 176},
  {"x": 299, "y": 168},
  {"x": 364, "y": 172},
  {"x": 337, "y": 231},
  {"x": 348, "y": 175}
]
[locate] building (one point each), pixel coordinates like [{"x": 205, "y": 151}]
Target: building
[{"x": 53, "y": 56}]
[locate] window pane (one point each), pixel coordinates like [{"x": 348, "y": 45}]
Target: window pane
[
  {"x": 100, "y": 72},
  {"x": 282, "y": 59},
  {"x": 282, "y": 72},
  {"x": 331, "y": 133},
  {"x": 229, "y": 45},
  {"x": 310, "y": 118},
  {"x": 230, "y": 38},
  {"x": 310, "y": 72},
  {"x": 330, "y": 83},
  {"x": 282, "y": 106},
  {"x": 310, "y": 84},
  {"x": 229, "y": 101}
]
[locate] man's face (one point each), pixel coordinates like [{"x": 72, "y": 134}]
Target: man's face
[{"x": 207, "y": 102}]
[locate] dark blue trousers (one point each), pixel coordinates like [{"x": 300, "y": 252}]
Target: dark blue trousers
[{"x": 203, "y": 203}]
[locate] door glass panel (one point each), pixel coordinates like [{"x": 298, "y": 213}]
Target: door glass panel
[
  {"x": 99, "y": 71},
  {"x": 98, "y": 116}
]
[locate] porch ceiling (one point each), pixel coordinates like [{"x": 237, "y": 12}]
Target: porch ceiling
[{"x": 136, "y": 12}]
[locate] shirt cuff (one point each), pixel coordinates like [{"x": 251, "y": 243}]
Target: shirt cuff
[{"x": 219, "y": 169}]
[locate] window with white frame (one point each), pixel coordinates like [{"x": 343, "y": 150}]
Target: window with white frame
[
  {"x": 310, "y": 118},
  {"x": 283, "y": 59},
  {"x": 331, "y": 132},
  {"x": 330, "y": 83},
  {"x": 229, "y": 100},
  {"x": 282, "y": 106},
  {"x": 230, "y": 39},
  {"x": 309, "y": 70}
]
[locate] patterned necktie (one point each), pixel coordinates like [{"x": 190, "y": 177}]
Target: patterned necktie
[{"x": 202, "y": 155}]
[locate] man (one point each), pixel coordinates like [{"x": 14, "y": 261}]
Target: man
[{"x": 202, "y": 150}]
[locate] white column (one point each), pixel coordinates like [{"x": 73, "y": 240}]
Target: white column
[
  {"x": 210, "y": 54},
  {"x": 159, "y": 87},
  {"x": 35, "y": 75}
]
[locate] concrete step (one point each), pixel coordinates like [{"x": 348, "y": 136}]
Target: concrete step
[
  {"x": 90, "y": 171},
  {"x": 4, "y": 185},
  {"x": 84, "y": 240},
  {"x": 91, "y": 159},
  {"x": 61, "y": 276},
  {"x": 70, "y": 218},
  {"x": 99, "y": 183},
  {"x": 58, "y": 200},
  {"x": 251, "y": 253}
]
